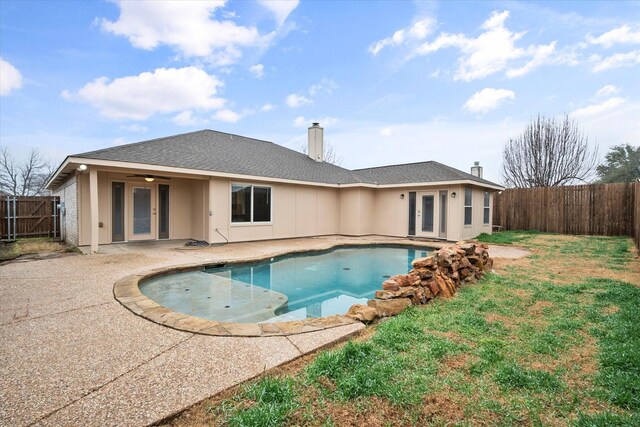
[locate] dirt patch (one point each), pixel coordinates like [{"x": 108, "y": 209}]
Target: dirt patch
[
  {"x": 537, "y": 309},
  {"x": 561, "y": 269},
  {"x": 458, "y": 362},
  {"x": 442, "y": 407},
  {"x": 374, "y": 412},
  {"x": 612, "y": 309},
  {"x": 24, "y": 250},
  {"x": 453, "y": 336},
  {"x": 522, "y": 293},
  {"x": 495, "y": 317}
]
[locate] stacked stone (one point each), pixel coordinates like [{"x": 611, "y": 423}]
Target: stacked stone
[{"x": 438, "y": 275}]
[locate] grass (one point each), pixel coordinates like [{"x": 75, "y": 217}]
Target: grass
[
  {"x": 34, "y": 245},
  {"x": 507, "y": 237},
  {"x": 525, "y": 345},
  {"x": 265, "y": 403}
]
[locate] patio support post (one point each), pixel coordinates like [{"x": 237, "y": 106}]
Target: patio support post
[
  {"x": 93, "y": 207},
  {"x": 211, "y": 232}
]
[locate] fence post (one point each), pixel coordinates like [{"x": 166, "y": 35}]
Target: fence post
[
  {"x": 8, "y": 219},
  {"x": 15, "y": 218}
]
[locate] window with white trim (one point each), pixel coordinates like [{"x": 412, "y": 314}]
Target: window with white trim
[
  {"x": 487, "y": 208},
  {"x": 250, "y": 203},
  {"x": 468, "y": 208}
]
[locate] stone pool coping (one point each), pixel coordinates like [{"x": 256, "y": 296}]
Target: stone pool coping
[{"x": 127, "y": 292}]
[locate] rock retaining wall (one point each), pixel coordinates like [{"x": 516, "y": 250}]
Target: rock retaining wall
[{"x": 438, "y": 275}]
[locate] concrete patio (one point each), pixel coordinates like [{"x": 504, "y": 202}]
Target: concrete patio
[{"x": 72, "y": 355}]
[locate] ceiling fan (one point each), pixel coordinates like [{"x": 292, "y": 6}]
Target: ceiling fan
[{"x": 148, "y": 178}]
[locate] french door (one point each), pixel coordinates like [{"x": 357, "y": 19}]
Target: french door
[
  {"x": 143, "y": 213},
  {"x": 428, "y": 214}
]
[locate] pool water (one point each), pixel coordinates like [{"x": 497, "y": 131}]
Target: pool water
[{"x": 286, "y": 288}]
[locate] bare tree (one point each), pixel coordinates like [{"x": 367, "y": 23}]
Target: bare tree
[
  {"x": 548, "y": 153},
  {"x": 330, "y": 155},
  {"x": 28, "y": 178}
]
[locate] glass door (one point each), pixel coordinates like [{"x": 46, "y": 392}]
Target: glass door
[
  {"x": 143, "y": 214},
  {"x": 163, "y": 211},
  {"x": 426, "y": 214},
  {"x": 443, "y": 214},
  {"x": 117, "y": 212}
]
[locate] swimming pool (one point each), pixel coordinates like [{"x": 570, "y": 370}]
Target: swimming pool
[{"x": 292, "y": 287}]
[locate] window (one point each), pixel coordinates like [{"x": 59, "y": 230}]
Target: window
[
  {"x": 468, "y": 210},
  {"x": 141, "y": 210},
  {"x": 250, "y": 203},
  {"x": 487, "y": 208},
  {"x": 427, "y": 213}
]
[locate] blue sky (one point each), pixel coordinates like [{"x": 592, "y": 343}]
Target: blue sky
[{"x": 391, "y": 82}]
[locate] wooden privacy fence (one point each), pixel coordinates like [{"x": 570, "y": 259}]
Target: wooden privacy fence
[
  {"x": 36, "y": 216},
  {"x": 597, "y": 209},
  {"x": 636, "y": 215}
]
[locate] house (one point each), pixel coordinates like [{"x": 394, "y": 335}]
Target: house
[{"x": 216, "y": 186}]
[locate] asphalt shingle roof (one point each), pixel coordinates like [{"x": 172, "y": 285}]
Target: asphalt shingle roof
[
  {"x": 214, "y": 151},
  {"x": 209, "y": 150},
  {"x": 429, "y": 171}
]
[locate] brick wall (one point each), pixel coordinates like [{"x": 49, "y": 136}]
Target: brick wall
[{"x": 68, "y": 193}]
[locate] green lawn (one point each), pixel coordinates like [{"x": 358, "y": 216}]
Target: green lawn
[{"x": 553, "y": 339}]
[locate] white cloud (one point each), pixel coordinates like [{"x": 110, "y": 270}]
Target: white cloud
[
  {"x": 165, "y": 90},
  {"x": 267, "y": 107},
  {"x": 227, "y": 116},
  {"x": 362, "y": 145},
  {"x": 416, "y": 32},
  {"x": 186, "y": 26},
  {"x": 541, "y": 55},
  {"x": 11, "y": 78},
  {"x": 119, "y": 141},
  {"x": 257, "y": 70},
  {"x": 386, "y": 131},
  {"x": 295, "y": 101},
  {"x": 621, "y": 35},
  {"x": 616, "y": 61},
  {"x": 281, "y": 9},
  {"x": 492, "y": 51},
  {"x": 301, "y": 121},
  {"x": 488, "y": 99},
  {"x": 135, "y": 127},
  {"x": 324, "y": 85},
  {"x": 185, "y": 118},
  {"x": 607, "y": 90},
  {"x": 600, "y": 108}
]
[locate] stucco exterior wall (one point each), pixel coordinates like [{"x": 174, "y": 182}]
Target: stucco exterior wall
[
  {"x": 297, "y": 211},
  {"x": 357, "y": 211},
  {"x": 390, "y": 212},
  {"x": 201, "y": 209},
  {"x": 68, "y": 194},
  {"x": 477, "y": 225},
  {"x": 187, "y": 198}
]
